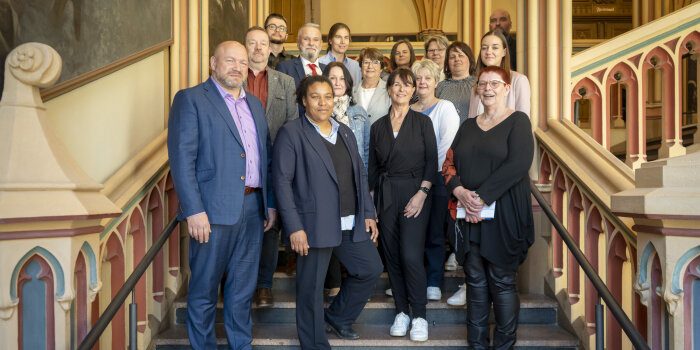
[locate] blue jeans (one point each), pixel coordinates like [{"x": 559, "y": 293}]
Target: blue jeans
[{"x": 435, "y": 238}]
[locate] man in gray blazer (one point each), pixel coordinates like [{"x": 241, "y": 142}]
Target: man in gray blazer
[{"x": 276, "y": 91}]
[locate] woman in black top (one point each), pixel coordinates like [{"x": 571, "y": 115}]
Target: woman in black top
[
  {"x": 402, "y": 164},
  {"x": 488, "y": 162}
]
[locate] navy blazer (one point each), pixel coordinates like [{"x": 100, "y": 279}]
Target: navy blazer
[
  {"x": 306, "y": 186},
  {"x": 207, "y": 158},
  {"x": 295, "y": 69}
]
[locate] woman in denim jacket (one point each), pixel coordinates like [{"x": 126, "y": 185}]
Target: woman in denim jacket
[
  {"x": 344, "y": 108},
  {"x": 353, "y": 115}
]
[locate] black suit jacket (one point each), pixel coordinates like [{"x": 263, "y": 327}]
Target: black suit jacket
[{"x": 306, "y": 186}]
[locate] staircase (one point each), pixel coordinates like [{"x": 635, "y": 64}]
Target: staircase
[{"x": 274, "y": 328}]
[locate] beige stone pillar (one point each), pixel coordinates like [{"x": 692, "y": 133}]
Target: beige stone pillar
[
  {"x": 533, "y": 61},
  {"x": 553, "y": 52},
  {"x": 665, "y": 206},
  {"x": 430, "y": 16}
]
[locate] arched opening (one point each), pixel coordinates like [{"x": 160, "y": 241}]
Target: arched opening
[
  {"x": 136, "y": 244},
  {"x": 691, "y": 303},
  {"x": 587, "y": 108},
  {"x": 80, "y": 303},
  {"x": 594, "y": 231},
  {"x": 663, "y": 130},
  {"x": 174, "y": 240},
  {"x": 689, "y": 76},
  {"x": 574, "y": 226},
  {"x": 558, "y": 200},
  {"x": 113, "y": 273},
  {"x": 623, "y": 114},
  {"x": 35, "y": 288},
  {"x": 658, "y": 309},
  {"x": 155, "y": 222},
  {"x": 617, "y": 256}
]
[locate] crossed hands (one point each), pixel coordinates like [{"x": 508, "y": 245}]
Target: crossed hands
[{"x": 471, "y": 202}]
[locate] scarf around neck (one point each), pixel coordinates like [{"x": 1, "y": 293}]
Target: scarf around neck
[{"x": 340, "y": 106}]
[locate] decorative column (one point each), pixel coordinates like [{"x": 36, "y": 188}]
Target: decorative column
[
  {"x": 430, "y": 16},
  {"x": 50, "y": 209},
  {"x": 665, "y": 206}
]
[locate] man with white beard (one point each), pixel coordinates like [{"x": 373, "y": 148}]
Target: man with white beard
[{"x": 309, "y": 43}]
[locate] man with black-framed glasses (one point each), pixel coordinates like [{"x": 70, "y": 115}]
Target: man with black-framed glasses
[{"x": 277, "y": 29}]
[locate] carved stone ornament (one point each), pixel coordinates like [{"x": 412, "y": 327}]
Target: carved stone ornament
[
  {"x": 93, "y": 290},
  {"x": 672, "y": 300},
  {"x": 27, "y": 66},
  {"x": 644, "y": 291},
  {"x": 6, "y": 310}
]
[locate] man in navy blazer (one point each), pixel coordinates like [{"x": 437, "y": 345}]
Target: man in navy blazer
[
  {"x": 322, "y": 194},
  {"x": 218, "y": 145},
  {"x": 309, "y": 43}
]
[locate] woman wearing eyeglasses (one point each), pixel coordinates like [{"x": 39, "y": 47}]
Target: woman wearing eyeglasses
[
  {"x": 495, "y": 52},
  {"x": 487, "y": 165},
  {"x": 435, "y": 48},
  {"x": 371, "y": 93},
  {"x": 457, "y": 86},
  {"x": 338, "y": 42}
]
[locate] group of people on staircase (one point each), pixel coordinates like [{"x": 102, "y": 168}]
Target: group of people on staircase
[{"x": 354, "y": 163}]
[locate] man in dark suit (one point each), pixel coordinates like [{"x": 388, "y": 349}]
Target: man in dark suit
[
  {"x": 323, "y": 197},
  {"x": 222, "y": 197},
  {"x": 276, "y": 91},
  {"x": 309, "y": 43}
]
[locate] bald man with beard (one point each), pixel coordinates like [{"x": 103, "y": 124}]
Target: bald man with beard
[{"x": 219, "y": 145}]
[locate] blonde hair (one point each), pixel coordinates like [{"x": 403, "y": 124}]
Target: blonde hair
[{"x": 428, "y": 65}]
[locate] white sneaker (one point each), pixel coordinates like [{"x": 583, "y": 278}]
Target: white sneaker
[
  {"x": 460, "y": 297},
  {"x": 389, "y": 293},
  {"x": 434, "y": 293},
  {"x": 419, "y": 329},
  {"x": 451, "y": 263},
  {"x": 400, "y": 326}
]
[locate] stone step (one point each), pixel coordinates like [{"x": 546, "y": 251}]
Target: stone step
[
  {"x": 376, "y": 337},
  {"x": 534, "y": 309},
  {"x": 286, "y": 283}
]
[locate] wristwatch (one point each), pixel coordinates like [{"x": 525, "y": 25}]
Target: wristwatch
[{"x": 425, "y": 189}]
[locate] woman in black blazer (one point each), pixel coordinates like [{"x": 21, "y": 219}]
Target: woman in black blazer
[{"x": 402, "y": 164}]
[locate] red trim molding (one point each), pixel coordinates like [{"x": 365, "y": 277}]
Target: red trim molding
[
  {"x": 69, "y": 232},
  {"x": 658, "y": 216},
  {"x": 667, "y": 231},
  {"x": 59, "y": 218}
]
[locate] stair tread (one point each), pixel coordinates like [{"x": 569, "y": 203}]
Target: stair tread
[
  {"x": 378, "y": 335},
  {"x": 379, "y": 300}
]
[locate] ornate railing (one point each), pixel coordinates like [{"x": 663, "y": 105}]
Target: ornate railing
[{"x": 636, "y": 94}]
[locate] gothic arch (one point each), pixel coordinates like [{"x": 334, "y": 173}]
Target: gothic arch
[
  {"x": 593, "y": 93},
  {"x": 35, "y": 285}
]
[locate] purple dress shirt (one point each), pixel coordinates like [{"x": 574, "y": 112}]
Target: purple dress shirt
[{"x": 248, "y": 132}]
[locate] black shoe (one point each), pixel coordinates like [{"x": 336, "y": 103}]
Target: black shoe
[{"x": 347, "y": 333}]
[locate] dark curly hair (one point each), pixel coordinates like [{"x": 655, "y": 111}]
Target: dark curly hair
[{"x": 305, "y": 83}]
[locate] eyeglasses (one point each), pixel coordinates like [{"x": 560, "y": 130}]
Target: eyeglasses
[
  {"x": 456, "y": 55},
  {"x": 433, "y": 51},
  {"x": 367, "y": 63},
  {"x": 274, "y": 27},
  {"x": 492, "y": 83}
]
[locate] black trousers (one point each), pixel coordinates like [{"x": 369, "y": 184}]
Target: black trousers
[
  {"x": 403, "y": 244},
  {"x": 364, "y": 267},
  {"x": 486, "y": 284}
]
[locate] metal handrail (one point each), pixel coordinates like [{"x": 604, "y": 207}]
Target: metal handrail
[
  {"x": 603, "y": 291},
  {"x": 124, "y": 291}
]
